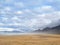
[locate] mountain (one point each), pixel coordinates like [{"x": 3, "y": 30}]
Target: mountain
[
  {"x": 11, "y": 32},
  {"x": 53, "y": 30}
]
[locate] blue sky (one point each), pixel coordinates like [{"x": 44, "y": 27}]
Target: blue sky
[{"x": 28, "y": 15}]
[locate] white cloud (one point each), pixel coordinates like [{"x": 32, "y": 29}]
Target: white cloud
[
  {"x": 31, "y": 22},
  {"x": 40, "y": 20},
  {"x": 43, "y": 9},
  {"x": 7, "y": 8},
  {"x": 5, "y": 19},
  {"x": 40, "y": 16},
  {"x": 27, "y": 11},
  {"x": 47, "y": 8},
  {"x": 19, "y": 12},
  {"x": 15, "y": 18},
  {"x": 33, "y": 2},
  {"x": 43, "y": 19},
  {"x": 14, "y": 24},
  {"x": 7, "y": 29},
  {"x": 2, "y": 12},
  {"x": 47, "y": 20},
  {"x": 1, "y": 24},
  {"x": 19, "y": 4}
]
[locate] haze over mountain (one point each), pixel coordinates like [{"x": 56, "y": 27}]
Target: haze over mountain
[{"x": 53, "y": 30}]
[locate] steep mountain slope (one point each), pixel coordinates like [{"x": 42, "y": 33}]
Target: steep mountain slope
[{"x": 54, "y": 30}]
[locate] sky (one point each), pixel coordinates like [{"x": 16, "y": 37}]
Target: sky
[{"x": 29, "y": 15}]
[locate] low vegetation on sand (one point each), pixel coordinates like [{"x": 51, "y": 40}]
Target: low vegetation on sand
[{"x": 30, "y": 40}]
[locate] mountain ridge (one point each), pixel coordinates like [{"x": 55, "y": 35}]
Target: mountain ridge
[{"x": 53, "y": 30}]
